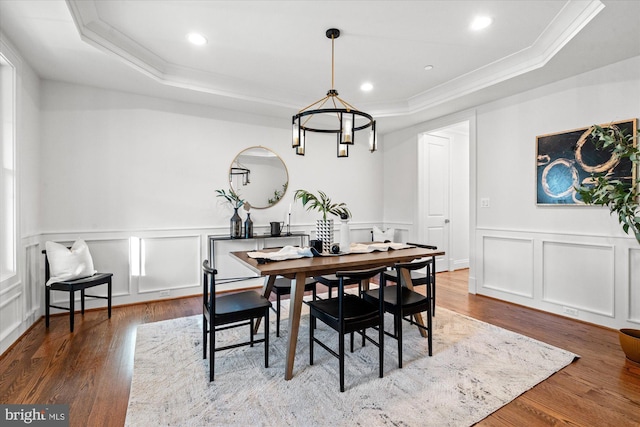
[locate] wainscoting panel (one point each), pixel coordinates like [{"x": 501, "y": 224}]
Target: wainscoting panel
[
  {"x": 169, "y": 263},
  {"x": 508, "y": 265},
  {"x": 10, "y": 310},
  {"x": 34, "y": 287},
  {"x": 579, "y": 276},
  {"x": 112, "y": 256},
  {"x": 634, "y": 285}
]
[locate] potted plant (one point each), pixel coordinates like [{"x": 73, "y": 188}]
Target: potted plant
[
  {"x": 622, "y": 198},
  {"x": 233, "y": 198},
  {"x": 322, "y": 203}
]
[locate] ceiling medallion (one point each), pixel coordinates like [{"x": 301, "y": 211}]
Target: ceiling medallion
[{"x": 345, "y": 121}]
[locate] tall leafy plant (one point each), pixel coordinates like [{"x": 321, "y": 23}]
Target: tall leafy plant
[
  {"x": 621, "y": 197},
  {"x": 322, "y": 203}
]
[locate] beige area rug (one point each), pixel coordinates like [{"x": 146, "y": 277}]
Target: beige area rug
[{"x": 475, "y": 369}]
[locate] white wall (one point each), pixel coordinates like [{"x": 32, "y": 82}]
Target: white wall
[
  {"x": 563, "y": 259},
  {"x": 118, "y": 165},
  {"x": 20, "y": 304}
]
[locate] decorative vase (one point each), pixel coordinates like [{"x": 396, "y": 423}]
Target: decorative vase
[
  {"x": 345, "y": 236},
  {"x": 630, "y": 343},
  {"x": 235, "y": 228},
  {"x": 324, "y": 232},
  {"x": 248, "y": 227}
]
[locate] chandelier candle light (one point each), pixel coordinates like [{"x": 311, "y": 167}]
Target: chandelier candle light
[{"x": 345, "y": 114}]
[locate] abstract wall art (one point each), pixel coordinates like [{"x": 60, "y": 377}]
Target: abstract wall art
[{"x": 566, "y": 160}]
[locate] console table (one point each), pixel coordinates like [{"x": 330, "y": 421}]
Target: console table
[{"x": 303, "y": 240}]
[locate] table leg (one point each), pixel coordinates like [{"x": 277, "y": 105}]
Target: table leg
[
  {"x": 267, "y": 286},
  {"x": 295, "y": 310},
  {"x": 406, "y": 279}
]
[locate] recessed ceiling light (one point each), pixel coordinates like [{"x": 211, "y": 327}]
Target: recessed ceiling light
[
  {"x": 481, "y": 22},
  {"x": 197, "y": 39},
  {"x": 366, "y": 87},
  {"x": 428, "y": 67}
]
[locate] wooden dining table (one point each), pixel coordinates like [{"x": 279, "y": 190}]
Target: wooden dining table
[{"x": 300, "y": 269}]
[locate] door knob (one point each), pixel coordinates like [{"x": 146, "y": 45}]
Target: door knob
[{"x": 446, "y": 221}]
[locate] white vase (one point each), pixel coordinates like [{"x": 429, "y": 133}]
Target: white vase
[
  {"x": 345, "y": 236},
  {"x": 324, "y": 232}
]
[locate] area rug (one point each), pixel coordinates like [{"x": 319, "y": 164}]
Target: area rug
[{"x": 475, "y": 369}]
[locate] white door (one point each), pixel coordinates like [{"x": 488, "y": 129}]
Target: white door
[{"x": 433, "y": 195}]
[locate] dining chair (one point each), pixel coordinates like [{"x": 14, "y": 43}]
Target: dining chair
[
  {"x": 419, "y": 278},
  {"x": 403, "y": 303},
  {"x": 348, "y": 313},
  {"x": 282, "y": 286},
  {"x": 233, "y": 310}
]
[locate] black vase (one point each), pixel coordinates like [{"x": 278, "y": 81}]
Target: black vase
[
  {"x": 248, "y": 227},
  {"x": 236, "y": 225}
]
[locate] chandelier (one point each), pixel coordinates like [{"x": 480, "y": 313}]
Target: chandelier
[{"x": 345, "y": 119}]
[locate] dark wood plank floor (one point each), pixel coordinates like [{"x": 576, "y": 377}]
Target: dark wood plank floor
[{"x": 91, "y": 368}]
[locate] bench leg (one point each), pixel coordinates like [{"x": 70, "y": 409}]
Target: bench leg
[
  {"x": 72, "y": 308},
  {"x": 109, "y": 297},
  {"x": 47, "y": 298},
  {"x": 82, "y": 301}
]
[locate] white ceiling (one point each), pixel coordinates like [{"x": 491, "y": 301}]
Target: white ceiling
[{"x": 273, "y": 58}]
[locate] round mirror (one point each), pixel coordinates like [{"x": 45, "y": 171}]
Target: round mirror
[{"x": 259, "y": 176}]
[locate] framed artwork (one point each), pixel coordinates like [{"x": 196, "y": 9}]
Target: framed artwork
[{"x": 566, "y": 160}]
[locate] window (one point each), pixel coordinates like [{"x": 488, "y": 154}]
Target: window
[{"x": 8, "y": 232}]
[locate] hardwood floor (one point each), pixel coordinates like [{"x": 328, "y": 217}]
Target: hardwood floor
[{"x": 91, "y": 368}]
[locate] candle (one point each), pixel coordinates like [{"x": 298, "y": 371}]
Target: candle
[{"x": 289, "y": 208}]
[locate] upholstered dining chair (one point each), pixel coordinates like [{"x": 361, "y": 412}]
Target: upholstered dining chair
[
  {"x": 403, "y": 303},
  {"x": 228, "y": 311},
  {"x": 348, "y": 313}
]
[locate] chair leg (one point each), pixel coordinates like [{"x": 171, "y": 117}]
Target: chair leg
[
  {"x": 82, "y": 301},
  {"x": 381, "y": 346},
  {"x": 212, "y": 348},
  {"x": 72, "y": 308},
  {"x": 341, "y": 358},
  {"x": 311, "y": 323},
  {"x": 430, "y": 337},
  {"x": 266, "y": 337},
  {"x": 47, "y": 297},
  {"x": 398, "y": 319},
  {"x": 204, "y": 336},
  {"x": 278, "y": 315},
  {"x": 251, "y": 333}
]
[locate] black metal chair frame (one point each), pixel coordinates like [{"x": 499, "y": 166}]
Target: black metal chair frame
[
  {"x": 403, "y": 303},
  {"x": 71, "y": 286},
  {"x": 238, "y": 309},
  {"x": 282, "y": 286},
  {"x": 347, "y": 314}
]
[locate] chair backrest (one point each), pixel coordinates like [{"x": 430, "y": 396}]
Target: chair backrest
[
  {"x": 209, "y": 286},
  {"x": 411, "y": 266},
  {"x": 360, "y": 275}
]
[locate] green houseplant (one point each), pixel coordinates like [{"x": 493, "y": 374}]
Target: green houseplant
[
  {"x": 621, "y": 197},
  {"x": 235, "y": 224},
  {"x": 323, "y": 204}
]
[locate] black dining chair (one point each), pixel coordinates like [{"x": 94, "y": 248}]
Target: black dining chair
[
  {"x": 348, "y": 313},
  {"x": 419, "y": 278},
  {"x": 282, "y": 286},
  {"x": 403, "y": 303},
  {"x": 233, "y": 310}
]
